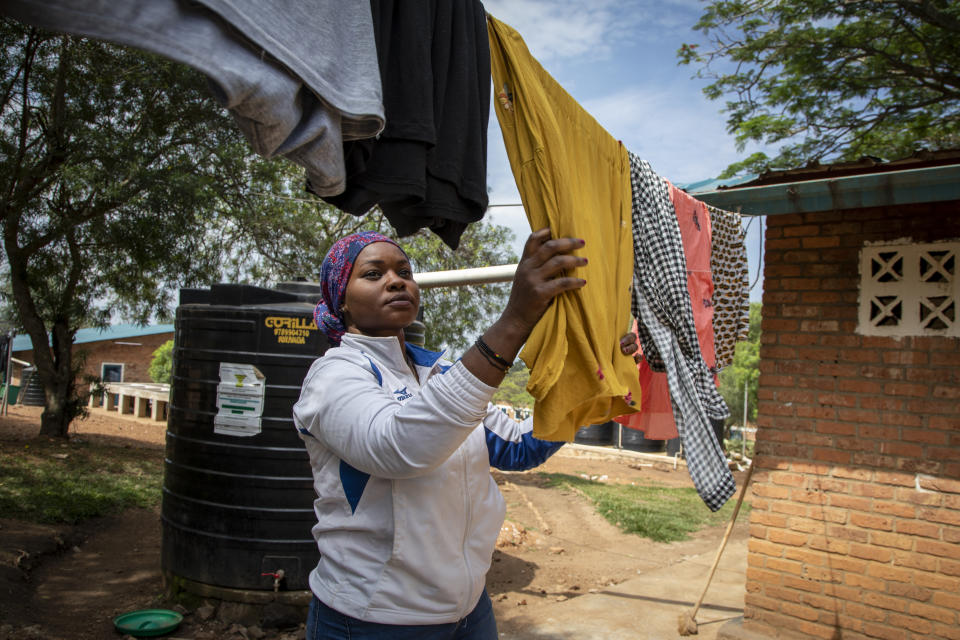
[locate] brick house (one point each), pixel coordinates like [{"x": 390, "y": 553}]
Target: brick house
[
  {"x": 855, "y": 520},
  {"x": 119, "y": 353}
]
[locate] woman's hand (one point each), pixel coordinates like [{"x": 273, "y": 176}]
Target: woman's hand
[
  {"x": 629, "y": 346},
  {"x": 539, "y": 277}
]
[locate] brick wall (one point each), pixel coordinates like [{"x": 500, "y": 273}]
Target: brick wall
[
  {"x": 135, "y": 358},
  {"x": 855, "y": 526}
]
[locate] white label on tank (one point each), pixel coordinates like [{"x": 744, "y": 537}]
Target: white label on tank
[{"x": 239, "y": 400}]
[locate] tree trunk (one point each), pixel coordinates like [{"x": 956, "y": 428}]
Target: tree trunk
[
  {"x": 55, "y": 419},
  {"x": 57, "y": 390},
  {"x": 58, "y": 384}
]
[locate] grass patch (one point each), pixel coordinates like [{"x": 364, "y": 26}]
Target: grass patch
[
  {"x": 52, "y": 483},
  {"x": 663, "y": 514}
]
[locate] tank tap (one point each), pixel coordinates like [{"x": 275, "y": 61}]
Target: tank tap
[{"x": 277, "y": 577}]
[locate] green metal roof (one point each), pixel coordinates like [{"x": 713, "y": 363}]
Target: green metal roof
[
  {"x": 906, "y": 186},
  {"x": 113, "y": 332}
]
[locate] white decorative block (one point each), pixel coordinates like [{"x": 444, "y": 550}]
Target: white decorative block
[{"x": 909, "y": 289}]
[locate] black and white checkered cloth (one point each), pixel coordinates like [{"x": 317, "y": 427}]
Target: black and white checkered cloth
[{"x": 661, "y": 304}]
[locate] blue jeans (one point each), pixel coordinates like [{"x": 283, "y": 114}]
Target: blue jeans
[{"x": 323, "y": 623}]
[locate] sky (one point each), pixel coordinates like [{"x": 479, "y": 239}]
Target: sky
[{"x": 617, "y": 58}]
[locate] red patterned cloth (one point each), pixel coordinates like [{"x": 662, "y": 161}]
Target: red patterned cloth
[{"x": 655, "y": 418}]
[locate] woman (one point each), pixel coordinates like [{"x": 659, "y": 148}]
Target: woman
[{"x": 401, "y": 445}]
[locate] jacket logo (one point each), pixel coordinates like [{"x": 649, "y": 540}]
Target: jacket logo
[{"x": 402, "y": 394}]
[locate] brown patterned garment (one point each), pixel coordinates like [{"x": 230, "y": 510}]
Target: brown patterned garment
[{"x": 731, "y": 284}]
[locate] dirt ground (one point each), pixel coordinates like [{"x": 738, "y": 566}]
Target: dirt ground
[{"x": 62, "y": 582}]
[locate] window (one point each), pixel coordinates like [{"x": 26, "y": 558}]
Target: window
[
  {"x": 111, "y": 372},
  {"x": 909, "y": 289}
]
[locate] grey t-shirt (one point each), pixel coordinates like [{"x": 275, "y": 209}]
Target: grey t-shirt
[{"x": 299, "y": 80}]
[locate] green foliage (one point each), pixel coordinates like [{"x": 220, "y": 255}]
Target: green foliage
[
  {"x": 46, "y": 482},
  {"x": 746, "y": 447},
  {"x": 161, "y": 365},
  {"x": 662, "y": 514},
  {"x": 513, "y": 389},
  {"x": 114, "y": 164},
  {"x": 833, "y": 80},
  {"x": 755, "y": 162},
  {"x": 284, "y": 233},
  {"x": 744, "y": 370}
]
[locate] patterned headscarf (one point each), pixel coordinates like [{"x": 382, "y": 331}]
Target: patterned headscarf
[{"x": 334, "y": 275}]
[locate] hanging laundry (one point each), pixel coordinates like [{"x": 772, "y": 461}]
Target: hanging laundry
[
  {"x": 655, "y": 415},
  {"x": 655, "y": 418},
  {"x": 429, "y": 166},
  {"x": 731, "y": 284},
  {"x": 297, "y": 79},
  {"x": 574, "y": 178},
  {"x": 696, "y": 235},
  {"x": 729, "y": 309},
  {"x": 661, "y": 304}
]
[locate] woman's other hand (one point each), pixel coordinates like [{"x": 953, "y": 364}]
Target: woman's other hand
[{"x": 629, "y": 346}]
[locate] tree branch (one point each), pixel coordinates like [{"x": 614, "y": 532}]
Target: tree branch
[{"x": 29, "y": 53}]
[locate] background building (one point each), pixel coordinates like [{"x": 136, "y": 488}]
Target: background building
[{"x": 118, "y": 353}]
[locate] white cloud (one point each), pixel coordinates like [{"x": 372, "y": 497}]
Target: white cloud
[
  {"x": 566, "y": 29},
  {"x": 678, "y": 131}
]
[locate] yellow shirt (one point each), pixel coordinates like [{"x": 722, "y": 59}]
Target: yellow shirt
[{"x": 574, "y": 178}]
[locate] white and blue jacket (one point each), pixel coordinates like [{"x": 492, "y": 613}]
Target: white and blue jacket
[{"x": 407, "y": 512}]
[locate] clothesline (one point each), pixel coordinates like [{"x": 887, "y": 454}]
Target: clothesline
[{"x": 746, "y": 230}]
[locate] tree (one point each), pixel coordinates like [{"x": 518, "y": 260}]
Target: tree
[
  {"x": 513, "y": 389},
  {"x": 287, "y": 234},
  {"x": 833, "y": 80},
  {"x": 115, "y": 172},
  {"x": 744, "y": 370},
  {"x": 161, "y": 365}
]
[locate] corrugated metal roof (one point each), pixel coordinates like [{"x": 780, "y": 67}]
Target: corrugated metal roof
[
  {"x": 889, "y": 188},
  {"x": 868, "y": 182},
  {"x": 95, "y": 334},
  {"x": 713, "y": 184},
  {"x": 866, "y": 165}
]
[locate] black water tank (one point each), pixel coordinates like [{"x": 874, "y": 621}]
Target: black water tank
[
  {"x": 237, "y": 490},
  {"x": 635, "y": 441},
  {"x": 673, "y": 446},
  {"x": 596, "y": 434}
]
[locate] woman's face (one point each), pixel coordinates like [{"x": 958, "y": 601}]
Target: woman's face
[{"x": 381, "y": 297}]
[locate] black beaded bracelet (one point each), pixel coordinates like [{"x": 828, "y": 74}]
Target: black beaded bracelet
[
  {"x": 492, "y": 356},
  {"x": 493, "y": 363}
]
